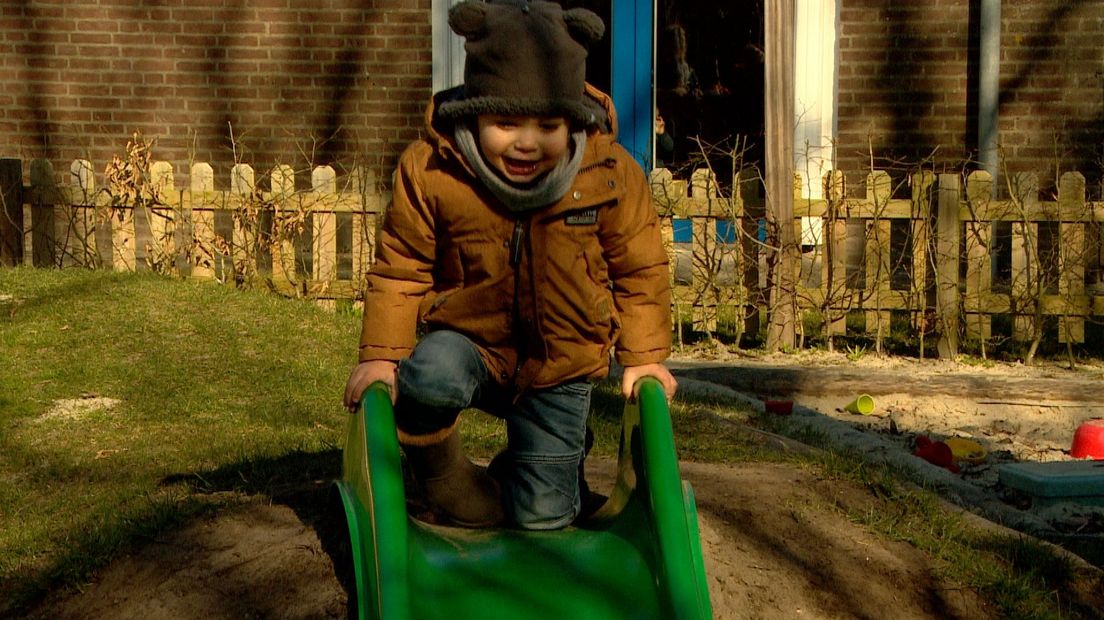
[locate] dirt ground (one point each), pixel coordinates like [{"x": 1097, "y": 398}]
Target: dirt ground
[
  {"x": 1015, "y": 413},
  {"x": 775, "y": 543}
]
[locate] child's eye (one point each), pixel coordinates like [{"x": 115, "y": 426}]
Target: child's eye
[{"x": 550, "y": 127}]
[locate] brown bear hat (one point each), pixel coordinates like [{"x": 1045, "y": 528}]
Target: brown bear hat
[{"x": 524, "y": 58}]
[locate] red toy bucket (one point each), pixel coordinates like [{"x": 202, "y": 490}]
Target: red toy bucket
[
  {"x": 1088, "y": 441},
  {"x": 780, "y": 407}
]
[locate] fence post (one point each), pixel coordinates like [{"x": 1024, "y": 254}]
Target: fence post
[
  {"x": 1072, "y": 257},
  {"x": 42, "y": 218},
  {"x": 1026, "y": 290},
  {"x": 920, "y": 230},
  {"x": 879, "y": 190},
  {"x": 344, "y": 231},
  {"x": 748, "y": 196},
  {"x": 365, "y": 226},
  {"x": 233, "y": 231},
  {"x": 11, "y": 212},
  {"x": 153, "y": 247},
  {"x": 946, "y": 267},
  {"x": 704, "y": 258},
  {"x": 124, "y": 245},
  {"x": 196, "y": 231},
  {"x": 835, "y": 259},
  {"x": 979, "y": 261},
  {"x": 79, "y": 247},
  {"x": 324, "y": 226},
  {"x": 284, "y": 261}
]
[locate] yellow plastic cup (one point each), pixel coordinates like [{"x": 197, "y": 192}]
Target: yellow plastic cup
[{"x": 864, "y": 405}]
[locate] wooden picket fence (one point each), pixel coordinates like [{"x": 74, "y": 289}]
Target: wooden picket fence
[
  {"x": 931, "y": 256},
  {"x": 315, "y": 242}
]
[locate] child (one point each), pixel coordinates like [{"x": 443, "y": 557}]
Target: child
[{"x": 525, "y": 241}]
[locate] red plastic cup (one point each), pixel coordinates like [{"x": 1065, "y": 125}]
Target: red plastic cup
[
  {"x": 1088, "y": 440},
  {"x": 779, "y": 407}
]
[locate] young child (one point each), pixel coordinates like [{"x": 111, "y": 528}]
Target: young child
[{"x": 523, "y": 238}]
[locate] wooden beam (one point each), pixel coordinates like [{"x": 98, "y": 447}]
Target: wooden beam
[
  {"x": 948, "y": 299},
  {"x": 11, "y": 212},
  {"x": 779, "y": 116}
]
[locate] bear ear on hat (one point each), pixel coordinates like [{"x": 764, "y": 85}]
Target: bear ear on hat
[
  {"x": 584, "y": 25},
  {"x": 468, "y": 19}
]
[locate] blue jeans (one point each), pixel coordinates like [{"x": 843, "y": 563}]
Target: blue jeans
[{"x": 545, "y": 428}]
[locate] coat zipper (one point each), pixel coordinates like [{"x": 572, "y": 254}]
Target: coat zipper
[
  {"x": 608, "y": 162},
  {"x": 516, "y": 240},
  {"x": 517, "y": 248}
]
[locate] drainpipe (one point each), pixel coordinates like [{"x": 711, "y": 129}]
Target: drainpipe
[{"x": 989, "y": 86}]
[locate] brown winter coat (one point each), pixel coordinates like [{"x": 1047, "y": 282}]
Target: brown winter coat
[{"x": 589, "y": 273}]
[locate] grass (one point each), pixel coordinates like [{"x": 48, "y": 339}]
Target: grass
[
  {"x": 200, "y": 377},
  {"x": 132, "y": 403}
]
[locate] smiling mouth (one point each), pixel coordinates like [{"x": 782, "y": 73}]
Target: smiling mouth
[{"x": 519, "y": 167}]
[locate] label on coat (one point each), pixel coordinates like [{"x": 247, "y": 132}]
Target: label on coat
[{"x": 582, "y": 217}]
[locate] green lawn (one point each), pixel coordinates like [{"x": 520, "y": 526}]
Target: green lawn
[{"x": 118, "y": 390}]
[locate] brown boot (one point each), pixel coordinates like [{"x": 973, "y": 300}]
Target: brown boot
[{"x": 455, "y": 485}]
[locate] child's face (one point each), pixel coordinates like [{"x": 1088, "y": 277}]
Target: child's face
[{"x": 522, "y": 148}]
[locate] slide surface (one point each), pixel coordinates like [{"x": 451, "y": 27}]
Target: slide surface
[{"x": 637, "y": 557}]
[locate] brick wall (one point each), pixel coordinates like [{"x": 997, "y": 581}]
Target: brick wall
[
  {"x": 906, "y": 91},
  {"x": 1052, "y": 87},
  {"x": 344, "y": 82},
  {"x": 340, "y": 82}
]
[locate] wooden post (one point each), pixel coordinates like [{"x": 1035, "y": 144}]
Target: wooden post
[
  {"x": 1026, "y": 269},
  {"x": 979, "y": 260},
  {"x": 80, "y": 244},
  {"x": 660, "y": 181},
  {"x": 705, "y": 266},
  {"x": 198, "y": 223},
  {"x": 11, "y": 212},
  {"x": 748, "y": 197},
  {"x": 158, "y": 243},
  {"x": 120, "y": 223},
  {"x": 779, "y": 105},
  {"x": 343, "y": 225},
  {"x": 324, "y": 226},
  {"x": 879, "y": 187},
  {"x": 41, "y": 215},
  {"x": 1072, "y": 255},
  {"x": 282, "y": 181},
  {"x": 366, "y": 225},
  {"x": 835, "y": 256},
  {"x": 243, "y": 183},
  {"x": 946, "y": 270},
  {"x": 922, "y": 184}
]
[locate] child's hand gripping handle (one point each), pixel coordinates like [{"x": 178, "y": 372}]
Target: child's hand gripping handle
[
  {"x": 659, "y": 372},
  {"x": 364, "y": 375}
]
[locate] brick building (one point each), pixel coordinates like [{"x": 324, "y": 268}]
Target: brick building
[
  {"x": 344, "y": 82},
  {"x": 339, "y": 82},
  {"x": 908, "y": 85}
]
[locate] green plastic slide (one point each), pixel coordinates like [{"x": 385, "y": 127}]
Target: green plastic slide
[{"x": 638, "y": 557}]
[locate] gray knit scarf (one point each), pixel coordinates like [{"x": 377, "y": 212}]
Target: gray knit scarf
[{"x": 519, "y": 199}]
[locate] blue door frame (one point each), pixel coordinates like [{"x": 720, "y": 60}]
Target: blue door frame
[{"x": 632, "y": 36}]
